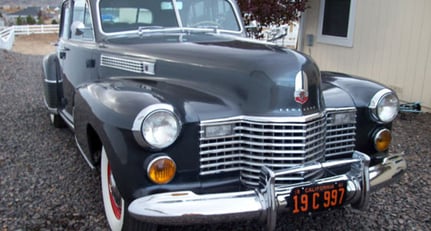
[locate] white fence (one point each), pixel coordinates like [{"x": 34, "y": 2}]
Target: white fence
[
  {"x": 7, "y": 38},
  {"x": 35, "y": 29},
  {"x": 7, "y": 35}
]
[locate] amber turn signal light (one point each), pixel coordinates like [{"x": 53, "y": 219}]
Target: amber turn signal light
[
  {"x": 382, "y": 140},
  {"x": 161, "y": 170}
]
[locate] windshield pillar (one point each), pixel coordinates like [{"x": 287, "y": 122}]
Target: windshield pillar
[{"x": 177, "y": 14}]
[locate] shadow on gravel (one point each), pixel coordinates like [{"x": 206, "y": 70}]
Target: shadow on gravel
[{"x": 46, "y": 185}]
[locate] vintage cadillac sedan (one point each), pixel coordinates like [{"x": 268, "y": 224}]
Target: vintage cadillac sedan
[{"x": 190, "y": 122}]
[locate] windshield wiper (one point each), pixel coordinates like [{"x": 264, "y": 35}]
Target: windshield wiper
[{"x": 142, "y": 29}]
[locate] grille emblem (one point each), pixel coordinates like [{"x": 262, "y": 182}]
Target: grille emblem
[{"x": 301, "y": 87}]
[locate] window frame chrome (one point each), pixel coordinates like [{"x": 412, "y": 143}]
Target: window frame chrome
[{"x": 180, "y": 26}]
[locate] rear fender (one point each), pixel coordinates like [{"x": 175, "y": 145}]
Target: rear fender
[{"x": 52, "y": 83}]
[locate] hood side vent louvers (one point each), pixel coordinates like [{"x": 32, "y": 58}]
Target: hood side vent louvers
[{"x": 131, "y": 65}]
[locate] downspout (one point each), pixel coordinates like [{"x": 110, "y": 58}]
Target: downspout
[{"x": 301, "y": 31}]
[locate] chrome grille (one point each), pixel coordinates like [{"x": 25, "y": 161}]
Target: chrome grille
[
  {"x": 252, "y": 142},
  {"x": 340, "y": 137}
]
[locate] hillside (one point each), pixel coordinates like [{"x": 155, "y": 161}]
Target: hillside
[{"x": 31, "y": 2}]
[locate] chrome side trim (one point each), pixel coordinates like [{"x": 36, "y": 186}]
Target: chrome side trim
[
  {"x": 83, "y": 155},
  {"x": 53, "y": 81},
  {"x": 68, "y": 119},
  {"x": 50, "y": 109},
  {"x": 186, "y": 207}
]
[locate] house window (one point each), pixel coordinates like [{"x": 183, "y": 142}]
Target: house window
[{"x": 336, "y": 22}]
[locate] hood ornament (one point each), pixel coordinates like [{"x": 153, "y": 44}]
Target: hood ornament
[{"x": 301, "y": 87}]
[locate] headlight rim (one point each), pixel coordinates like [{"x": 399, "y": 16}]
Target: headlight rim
[
  {"x": 151, "y": 164},
  {"x": 376, "y": 100},
  {"x": 146, "y": 113},
  {"x": 379, "y": 134}
]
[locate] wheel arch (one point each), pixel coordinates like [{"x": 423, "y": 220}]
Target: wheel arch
[{"x": 94, "y": 145}]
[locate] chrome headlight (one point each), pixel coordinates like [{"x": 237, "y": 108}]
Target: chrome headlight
[
  {"x": 384, "y": 106},
  {"x": 156, "y": 126}
]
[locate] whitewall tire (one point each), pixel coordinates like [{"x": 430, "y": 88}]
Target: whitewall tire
[{"x": 112, "y": 200}]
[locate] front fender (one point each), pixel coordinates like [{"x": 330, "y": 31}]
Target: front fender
[
  {"x": 359, "y": 90},
  {"x": 109, "y": 109},
  {"x": 342, "y": 90},
  {"x": 101, "y": 107}
]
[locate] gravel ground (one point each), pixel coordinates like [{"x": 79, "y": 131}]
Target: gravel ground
[{"x": 46, "y": 185}]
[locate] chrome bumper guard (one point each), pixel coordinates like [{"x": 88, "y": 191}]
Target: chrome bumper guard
[{"x": 186, "y": 207}]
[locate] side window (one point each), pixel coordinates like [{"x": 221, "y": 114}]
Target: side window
[{"x": 82, "y": 24}]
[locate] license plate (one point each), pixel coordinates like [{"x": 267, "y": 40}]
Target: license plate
[{"x": 318, "y": 197}]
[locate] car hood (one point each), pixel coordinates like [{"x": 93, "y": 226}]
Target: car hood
[{"x": 229, "y": 75}]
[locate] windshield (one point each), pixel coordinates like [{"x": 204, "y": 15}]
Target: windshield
[{"x": 129, "y": 15}]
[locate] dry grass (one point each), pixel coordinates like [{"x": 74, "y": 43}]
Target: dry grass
[{"x": 35, "y": 44}]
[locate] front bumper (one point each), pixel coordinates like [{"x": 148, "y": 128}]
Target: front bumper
[{"x": 186, "y": 207}]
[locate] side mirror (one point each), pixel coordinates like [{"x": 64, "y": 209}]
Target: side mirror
[{"x": 77, "y": 28}]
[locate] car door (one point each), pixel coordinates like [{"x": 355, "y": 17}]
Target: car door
[{"x": 75, "y": 52}]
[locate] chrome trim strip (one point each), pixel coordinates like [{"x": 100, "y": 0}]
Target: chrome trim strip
[
  {"x": 287, "y": 119},
  {"x": 263, "y": 151},
  {"x": 341, "y": 109},
  {"x": 377, "y": 136},
  {"x": 68, "y": 119},
  {"x": 53, "y": 81},
  {"x": 375, "y": 101},
  {"x": 157, "y": 159},
  {"x": 284, "y": 119},
  {"x": 376, "y": 98},
  {"x": 136, "y": 127},
  {"x": 299, "y": 138},
  {"x": 230, "y": 32},
  {"x": 50, "y": 109},
  {"x": 186, "y": 207},
  {"x": 83, "y": 155},
  {"x": 139, "y": 119},
  {"x": 177, "y": 13}
]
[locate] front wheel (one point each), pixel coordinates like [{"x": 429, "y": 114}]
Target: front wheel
[{"x": 114, "y": 204}]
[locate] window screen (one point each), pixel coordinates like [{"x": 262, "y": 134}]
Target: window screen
[{"x": 336, "y": 18}]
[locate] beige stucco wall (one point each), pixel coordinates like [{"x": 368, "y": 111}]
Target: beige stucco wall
[{"x": 391, "y": 44}]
